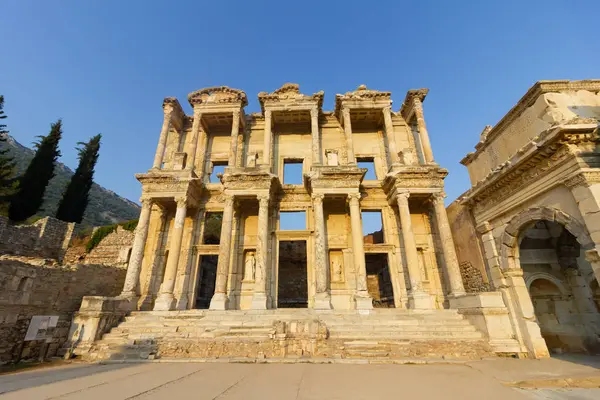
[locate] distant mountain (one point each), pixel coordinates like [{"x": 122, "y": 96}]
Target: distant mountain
[{"x": 105, "y": 207}]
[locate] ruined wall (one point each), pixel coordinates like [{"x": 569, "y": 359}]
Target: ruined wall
[
  {"x": 31, "y": 287},
  {"x": 48, "y": 237},
  {"x": 468, "y": 250},
  {"x": 114, "y": 249}
]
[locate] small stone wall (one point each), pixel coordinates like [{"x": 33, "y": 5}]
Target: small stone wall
[
  {"x": 48, "y": 238},
  {"x": 114, "y": 249},
  {"x": 30, "y": 286}
]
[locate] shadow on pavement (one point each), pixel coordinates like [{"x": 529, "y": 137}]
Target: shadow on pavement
[{"x": 581, "y": 359}]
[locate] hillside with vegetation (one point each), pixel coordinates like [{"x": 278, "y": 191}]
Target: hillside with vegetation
[{"x": 104, "y": 208}]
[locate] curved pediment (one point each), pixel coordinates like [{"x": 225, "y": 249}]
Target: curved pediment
[
  {"x": 218, "y": 95},
  {"x": 289, "y": 93},
  {"x": 362, "y": 93}
]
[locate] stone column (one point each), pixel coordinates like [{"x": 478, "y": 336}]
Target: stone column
[
  {"x": 348, "y": 133},
  {"x": 362, "y": 298},
  {"x": 268, "y": 139},
  {"x": 130, "y": 287},
  {"x": 191, "y": 160},
  {"x": 235, "y": 129},
  {"x": 322, "y": 296},
  {"x": 165, "y": 300},
  {"x": 314, "y": 128},
  {"x": 219, "y": 300},
  {"x": 443, "y": 227},
  {"x": 417, "y": 297},
  {"x": 389, "y": 132},
  {"x": 153, "y": 275},
  {"x": 423, "y": 135},
  {"x": 162, "y": 141},
  {"x": 259, "y": 297}
]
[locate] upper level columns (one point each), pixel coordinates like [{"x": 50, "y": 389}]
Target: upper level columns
[
  {"x": 423, "y": 135},
  {"x": 362, "y": 298},
  {"x": 314, "y": 128},
  {"x": 219, "y": 299},
  {"x": 322, "y": 296},
  {"x": 348, "y": 134},
  {"x": 259, "y": 298},
  {"x": 417, "y": 297},
  {"x": 235, "y": 128},
  {"x": 389, "y": 133},
  {"x": 165, "y": 300},
  {"x": 196, "y": 126},
  {"x": 268, "y": 140},
  {"x": 443, "y": 227},
  {"x": 137, "y": 252},
  {"x": 162, "y": 141}
]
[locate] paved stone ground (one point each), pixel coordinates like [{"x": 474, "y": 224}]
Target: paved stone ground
[{"x": 476, "y": 380}]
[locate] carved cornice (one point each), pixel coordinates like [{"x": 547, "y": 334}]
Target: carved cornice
[
  {"x": 407, "y": 106},
  {"x": 538, "y": 89},
  {"x": 584, "y": 178},
  {"x": 218, "y": 95},
  {"x": 335, "y": 177},
  {"x": 417, "y": 177},
  {"x": 289, "y": 94},
  {"x": 361, "y": 94}
]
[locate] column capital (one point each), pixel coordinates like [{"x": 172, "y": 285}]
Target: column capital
[
  {"x": 402, "y": 195},
  {"x": 146, "y": 201},
  {"x": 268, "y": 113},
  {"x": 168, "y": 111},
  {"x": 346, "y": 112},
  {"x": 417, "y": 107},
  {"x": 318, "y": 197},
  {"x": 314, "y": 111},
  {"x": 386, "y": 109},
  {"x": 438, "y": 196},
  {"x": 197, "y": 112},
  {"x": 484, "y": 227},
  {"x": 263, "y": 199},
  {"x": 354, "y": 197},
  {"x": 181, "y": 201},
  {"x": 236, "y": 113},
  {"x": 229, "y": 199}
]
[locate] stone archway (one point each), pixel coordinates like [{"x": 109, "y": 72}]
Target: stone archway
[{"x": 541, "y": 297}]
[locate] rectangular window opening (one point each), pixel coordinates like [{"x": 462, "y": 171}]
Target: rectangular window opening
[
  {"x": 372, "y": 225},
  {"x": 292, "y": 220},
  {"x": 218, "y": 168},
  {"x": 212, "y": 228},
  {"x": 292, "y": 172},
  {"x": 369, "y": 164}
]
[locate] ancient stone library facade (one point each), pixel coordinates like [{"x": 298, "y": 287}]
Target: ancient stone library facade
[
  {"x": 301, "y": 232},
  {"x": 529, "y": 227}
]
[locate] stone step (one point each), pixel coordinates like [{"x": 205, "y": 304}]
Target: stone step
[
  {"x": 401, "y": 328},
  {"x": 406, "y": 335}
]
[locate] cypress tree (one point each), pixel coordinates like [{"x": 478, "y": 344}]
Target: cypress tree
[
  {"x": 75, "y": 198},
  {"x": 32, "y": 184},
  {"x": 7, "y": 166}
]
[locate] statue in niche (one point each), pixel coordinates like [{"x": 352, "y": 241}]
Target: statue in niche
[
  {"x": 407, "y": 156},
  {"x": 251, "y": 160},
  {"x": 332, "y": 158},
  {"x": 249, "y": 266},
  {"x": 337, "y": 272}
]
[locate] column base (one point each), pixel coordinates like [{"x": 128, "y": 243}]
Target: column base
[
  {"x": 164, "y": 302},
  {"x": 129, "y": 301},
  {"x": 219, "y": 302},
  {"x": 420, "y": 301},
  {"x": 182, "y": 302},
  {"x": 145, "y": 302},
  {"x": 363, "y": 301},
  {"x": 259, "y": 301},
  {"x": 322, "y": 301}
]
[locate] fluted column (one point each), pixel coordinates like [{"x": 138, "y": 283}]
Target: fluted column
[
  {"x": 389, "y": 132},
  {"x": 196, "y": 125},
  {"x": 348, "y": 133},
  {"x": 314, "y": 128},
  {"x": 259, "y": 297},
  {"x": 130, "y": 288},
  {"x": 443, "y": 227},
  {"x": 322, "y": 296},
  {"x": 162, "y": 141},
  {"x": 268, "y": 136},
  {"x": 416, "y": 296},
  {"x": 235, "y": 129},
  {"x": 362, "y": 298},
  {"x": 219, "y": 299},
  {"x": 165, "y": 300},
  {"x": 423, "y": 135}
]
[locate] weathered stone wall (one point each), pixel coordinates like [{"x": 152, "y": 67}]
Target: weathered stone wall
[
  {"x": 114, "y": 249},
  {"x": 468, "y": 250},
  {"x": 30, "y": 286},
  {"x": 48, "y": 237}
]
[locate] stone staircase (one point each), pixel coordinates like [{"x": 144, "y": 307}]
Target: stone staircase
[{"x": 291, "y": 334}]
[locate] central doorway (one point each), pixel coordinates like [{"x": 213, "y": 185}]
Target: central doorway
[
  {"x": 207, "y": 276},
  {"x": 379, "y": 283},
  {"x": 292, "y": 285}
]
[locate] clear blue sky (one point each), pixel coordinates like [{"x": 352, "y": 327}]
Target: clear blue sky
[{"x": 105, "y": 66}]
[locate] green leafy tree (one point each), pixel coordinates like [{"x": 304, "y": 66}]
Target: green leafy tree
[
  {"x": 32, "y": 184},
  {"x": 7, "y": 166},
  {"x": 75, "y": 198}
]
